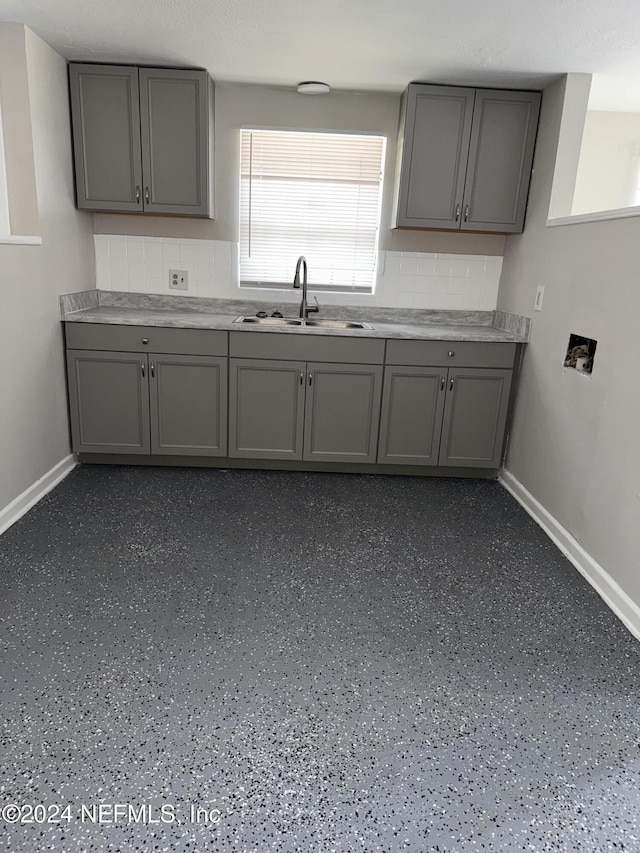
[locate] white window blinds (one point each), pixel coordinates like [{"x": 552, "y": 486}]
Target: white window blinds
[{"x": 311, "y": 194}]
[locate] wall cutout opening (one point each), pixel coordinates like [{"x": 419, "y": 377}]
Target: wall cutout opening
[{"x": 580, "y": 355}]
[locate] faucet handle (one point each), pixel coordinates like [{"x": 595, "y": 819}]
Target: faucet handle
[{"x": 313, "y": 309}]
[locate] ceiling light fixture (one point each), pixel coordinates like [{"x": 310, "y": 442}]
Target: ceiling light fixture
[{"x": 313, "y": 87}]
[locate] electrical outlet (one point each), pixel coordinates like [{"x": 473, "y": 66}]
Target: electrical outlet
[
  {"x": 178, "y": 280},
  {"x": 537, "y": 305}
]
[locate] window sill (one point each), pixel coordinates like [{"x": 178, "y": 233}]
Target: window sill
[
  {"x": 13, "y": 239},
  {"x": 596, "y": 216}
]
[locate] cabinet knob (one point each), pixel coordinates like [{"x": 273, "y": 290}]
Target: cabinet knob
[
  {"x": 146, "y": 195},
  {"x": 466, "y": 212},
  {"x": 451, "y": 353},
  {"x": 137, "y": 195},
  {"x": 146, "y": 341},
  {"x": 457, "y": 212}
]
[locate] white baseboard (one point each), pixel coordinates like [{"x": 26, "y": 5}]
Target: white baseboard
[
  {"x": 23, "y": 503},
  {"x": 607, "y": 588}
]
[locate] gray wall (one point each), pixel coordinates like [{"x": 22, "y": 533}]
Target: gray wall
[
  {"x": 33, "y": 425},
  {"x": 575, "y": 442},
  {"x": 239, "y": 105}
]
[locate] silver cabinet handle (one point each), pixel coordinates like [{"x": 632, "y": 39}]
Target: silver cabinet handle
[
  {"x": 466, "y": 212},
  {"x": 145, "y": 340},
  {"x": 137, "y": 194},
  {"x": 153, "y": 370},
  {"x": 451, "y": 384},
  {"x": 457, "y": 212},
  {"x": 146, "y": 195},
  {"x": 310, "y": 377},
  {"x": 451, "y": 353},
  {"x": 442, "y": 383},
  {"x": 301, "y": 376},
  {"x": 142, "y": 369}
]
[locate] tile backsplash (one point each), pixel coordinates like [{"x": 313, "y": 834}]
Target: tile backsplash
[{"x": 404, "y": 279}]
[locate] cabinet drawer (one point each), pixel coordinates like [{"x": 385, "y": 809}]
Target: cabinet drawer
[
  {"x": 304, "y": 347},
  {"x": 102, "y": 336},
  {"x": 451, "y": 353}
]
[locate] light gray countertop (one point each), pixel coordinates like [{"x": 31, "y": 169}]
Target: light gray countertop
[{"x": 172, "y": 312}]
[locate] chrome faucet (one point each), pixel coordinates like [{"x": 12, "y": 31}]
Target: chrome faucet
[{"x": 305, "y": 309}]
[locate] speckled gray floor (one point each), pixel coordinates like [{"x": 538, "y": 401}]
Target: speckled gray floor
[{"x": 328, "y": 662}]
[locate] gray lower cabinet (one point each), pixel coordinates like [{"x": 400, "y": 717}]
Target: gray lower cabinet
[
  {"x": 465, "y": 158},
  {"x": 342, "y": 412},
  {"x": 124, "y": 402},
  {"x": 475, "y": 417},
  {"x": 266, "y": 408},
  {"x": 412, "y": 408},
  {"x": 454, "y": 417},
  {"x": 303, "y": 410},
  {"x": 109, "y": 401},
  {"x": 187, "y": 397},
  {"x": 142, "y": 139}
]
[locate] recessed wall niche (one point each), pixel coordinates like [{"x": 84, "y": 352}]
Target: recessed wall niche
[{"x": 580, "y": 355}]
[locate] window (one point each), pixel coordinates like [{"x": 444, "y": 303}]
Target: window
[{"x": 311, "y": 194}]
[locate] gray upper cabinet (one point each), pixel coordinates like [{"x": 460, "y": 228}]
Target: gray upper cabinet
[
  {"x": 106, "y": 133},
  {"x": 475, "y": 416},
  {"x": 143, "y": 139},
  {"x": 342, "y": 412},
  {"x": 188, "y": 397},
  {"x": 174, "y": 122},
  {"x": 109, "y": 401},
  {"x": 434, "y": 146},
  {"x": 464, "y": 158},
  {"x": 500, "y": 160}
]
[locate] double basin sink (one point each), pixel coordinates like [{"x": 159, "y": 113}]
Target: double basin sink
[{"x": 302, "y": 324}]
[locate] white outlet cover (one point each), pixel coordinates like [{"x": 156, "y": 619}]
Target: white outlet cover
[
  {"x": 178, "y": 280},
  {"x": 537, "y": 305}
]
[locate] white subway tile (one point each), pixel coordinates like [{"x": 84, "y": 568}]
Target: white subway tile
[
  {"x": 154, "y": 284},
  {"x": 135, "y": 249},
  {"x": 423, "y": 284},
  {"x": 426, "y": 264},
  {"x": 476, "y": 268},
  {"x": 170, "y": 256},
  {"x": 457, "y": 285},
  {"x": 442, "y": 266},
  {"x": 222, "y": 271},
  {"x": 153, "y": 259},
  {"x": 119, "y": 273},
  {"x": 117, "y": 246},
  {"x": 405, "y": 300},
  {"x": 408, "y": 263},
  {"x": 206, "y": 289},
  {"x": 440, "y": 284},
  {"x": 459, "y": 267},
  {"x": 188, "y": 253}
]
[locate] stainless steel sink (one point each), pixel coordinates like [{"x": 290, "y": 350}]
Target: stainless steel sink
[
  {"x": 269, "y": 321},
  {"x": 338, "y": 324},
  {"x": 290, "y": 321}
]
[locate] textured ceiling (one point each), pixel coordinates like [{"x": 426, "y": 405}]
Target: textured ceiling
[{"x": 355, "y": 44}]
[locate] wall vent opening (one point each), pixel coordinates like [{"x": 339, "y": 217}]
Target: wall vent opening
[{"x": 581, "y": 353}]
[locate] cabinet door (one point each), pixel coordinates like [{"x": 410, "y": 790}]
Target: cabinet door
[
  {"x": 266, "y": 408},
  {"x": 342, "y": 412},
  {"x": 109, "y": 401},
  {"x": 434, "y": 150},
  {"x": 474, "y": 417},
  {"x": 188, "y": 396},
  {"x": 106, "y": 136},
  {"x": 412, "y": 407},
  {"x": 174, "y": 120},
  {"x": 501, "y": 154}
]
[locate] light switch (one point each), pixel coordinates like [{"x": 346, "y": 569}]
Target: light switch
[{"x": 537, "y": 305}]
